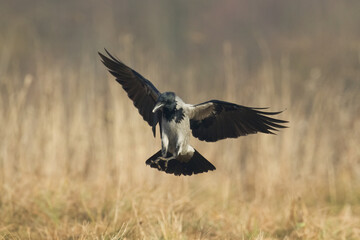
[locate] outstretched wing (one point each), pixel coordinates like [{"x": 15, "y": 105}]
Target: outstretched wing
[
  {"x": 215, "y": 120},
  {"x": 140, "y": 90}
]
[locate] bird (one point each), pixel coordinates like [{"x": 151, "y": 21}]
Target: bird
[{"x": 209, "y": 121}]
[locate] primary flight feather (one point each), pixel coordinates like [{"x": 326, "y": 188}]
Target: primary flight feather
[{"x": 209, "y": 121}]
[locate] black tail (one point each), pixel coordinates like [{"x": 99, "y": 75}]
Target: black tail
[{"x": 197, "y": 164}]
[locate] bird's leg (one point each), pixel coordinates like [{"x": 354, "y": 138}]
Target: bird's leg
[
  {"x": 173, "y": 156},
  {"x": 164, "y": 145},
  {"x": 166, "y": 164},
  {"x": 156, "y": 161},
  {"x": 164, "y": 152},
  {"x": 167, "y": 158}
]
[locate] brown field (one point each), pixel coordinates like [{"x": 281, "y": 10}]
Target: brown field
[{"x": 73, "y": 147}]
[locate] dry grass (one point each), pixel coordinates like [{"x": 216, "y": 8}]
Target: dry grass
[{"x": 69, "y": 168}]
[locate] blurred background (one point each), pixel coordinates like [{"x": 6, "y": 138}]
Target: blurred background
[{"x": 67, "y": 125}]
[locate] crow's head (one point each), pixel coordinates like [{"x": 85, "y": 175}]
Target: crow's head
[{"x": 165, "y": 101}]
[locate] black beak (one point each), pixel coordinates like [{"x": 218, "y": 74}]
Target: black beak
[{"x": 158, "y": 106}]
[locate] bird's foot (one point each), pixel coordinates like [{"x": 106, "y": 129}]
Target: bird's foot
[
  {"x": 166, "y": 158},
  {"x": 156, "y": 162}
]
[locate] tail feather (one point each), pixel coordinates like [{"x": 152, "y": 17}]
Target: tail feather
[{"x": 197, "y": 164}]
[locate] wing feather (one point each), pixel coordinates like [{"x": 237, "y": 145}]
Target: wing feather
[
  {"x": 215, "y": 120},
  {"x": 140, "y": 90}
]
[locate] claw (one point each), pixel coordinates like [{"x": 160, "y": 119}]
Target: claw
[
  {"x": 165, "y": 159},
  {"x": 156, "y": 162}
]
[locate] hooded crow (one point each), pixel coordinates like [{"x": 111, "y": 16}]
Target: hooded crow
[{"x": 209, "y": 121}]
